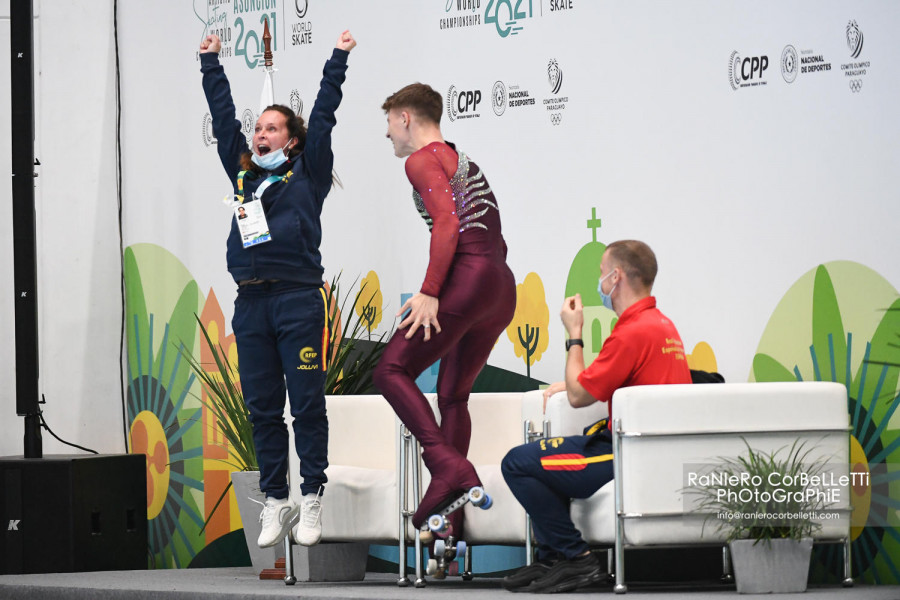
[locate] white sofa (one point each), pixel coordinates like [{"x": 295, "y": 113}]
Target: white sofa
[
  {"x": 660, "y": 431},
  {"x": 375, "y": 477}
]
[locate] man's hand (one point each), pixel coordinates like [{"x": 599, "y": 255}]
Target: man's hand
[
  {"x": 423, "y": 311},
  {"x": 346, "y": 42},
  {"x": 210, "y": 44},
  {"x": 572, "y": 315},
  {"x": 553, "y": 388}
]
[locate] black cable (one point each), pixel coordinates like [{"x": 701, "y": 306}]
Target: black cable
[
  {"x": 47, "y": 427},
  {"x": 119, "y": 207}
]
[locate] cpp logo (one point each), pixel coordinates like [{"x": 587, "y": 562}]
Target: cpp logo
[
  {"x": 460, "y": 104},
  {"x": 741, "y": 72}
]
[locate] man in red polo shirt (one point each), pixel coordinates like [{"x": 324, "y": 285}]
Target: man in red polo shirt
[{"x": 644, "y": 348}]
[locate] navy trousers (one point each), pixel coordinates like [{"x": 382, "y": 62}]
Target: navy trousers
[
  {"x": 282, "y": 340},
  {"x": 545, "y": 475}
]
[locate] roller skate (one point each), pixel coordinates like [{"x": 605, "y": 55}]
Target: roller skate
[
  {"x": 439, "y": 526},
  {"x": 444, "y": 555}
]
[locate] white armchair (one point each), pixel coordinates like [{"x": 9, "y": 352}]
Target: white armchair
[
  {"x": 361, "y": 501},
  {"x": 658, "y": 431}
]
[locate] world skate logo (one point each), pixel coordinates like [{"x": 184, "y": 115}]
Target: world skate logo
[
  {"x": 554, "y": 75},
  {"x": 300, "y": 7},
  {"x": 854, "y": 39}
]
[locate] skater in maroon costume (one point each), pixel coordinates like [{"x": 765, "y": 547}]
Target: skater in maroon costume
[{"x": 466, "y": 301}]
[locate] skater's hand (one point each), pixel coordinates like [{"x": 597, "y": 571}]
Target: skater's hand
[
  {"x": 423, "y": 310},
  {"x": 572, "y": 315},
  {"x": 210, "y": 44},
  {"x": 345, "y": 41},
  {"x": 553, "y": 388}
]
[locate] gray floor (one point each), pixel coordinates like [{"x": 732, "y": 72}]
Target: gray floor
[{"x": 216, "y": 584}]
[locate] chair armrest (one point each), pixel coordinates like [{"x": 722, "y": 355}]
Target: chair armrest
[{"x": 566, "y": 420}]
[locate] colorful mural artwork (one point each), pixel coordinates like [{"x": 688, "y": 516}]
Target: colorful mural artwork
[
  {"x": 163, "y": 416},
  {"x": 584, "y": 275},
  {"x": 528, "y": 330},
  {"x": 370, "y": 306},
  {"x": 840, "y": 322}
]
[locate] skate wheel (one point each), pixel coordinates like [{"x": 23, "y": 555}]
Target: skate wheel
[
  {"x": 426, "y": 536},
  {"x": 440, "y": 546},
  {"x": 488, "y": 502},
  {"x": 438, "y": 524},
  {"x": 431, "y": 567},
  {"x": 453, "y": 568},
  {"x": 460, "y": 549},
  {"x": 477, "y": 495}
]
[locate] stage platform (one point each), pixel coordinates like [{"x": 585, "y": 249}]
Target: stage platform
[{"x": 216, "y": 584}]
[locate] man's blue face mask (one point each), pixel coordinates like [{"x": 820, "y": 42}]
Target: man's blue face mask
[{"x": 606, "y": 298}]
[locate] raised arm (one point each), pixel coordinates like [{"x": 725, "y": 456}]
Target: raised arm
[
  {"x": 231, "y": 142},
  {"x": 319, "y": 157}
]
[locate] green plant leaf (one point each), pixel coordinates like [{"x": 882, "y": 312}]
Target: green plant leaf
[
  {"x": 137, "y": 322},
  {"x": 766, "y": 368},
  {"x": 829, "y": 340}
]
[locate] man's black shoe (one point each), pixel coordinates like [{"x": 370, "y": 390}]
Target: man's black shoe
[
  {"x": 525, "y": 575},
  {"x": 568, "y": 575}
]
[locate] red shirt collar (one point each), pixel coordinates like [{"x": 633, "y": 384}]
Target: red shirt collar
[{"x": 637, "y": 308}]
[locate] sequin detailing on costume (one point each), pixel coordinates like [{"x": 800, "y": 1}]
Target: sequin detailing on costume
[{"x": 470, "y": 194}]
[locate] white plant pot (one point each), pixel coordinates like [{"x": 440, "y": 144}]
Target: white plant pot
[
  {"x": 322, "y": 562},
  {"x": 246, "y": 490},
  {"x": 781, "y": 566}
]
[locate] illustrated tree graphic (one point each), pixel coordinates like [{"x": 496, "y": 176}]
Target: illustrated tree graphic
[
  {"x": 369, "y": 307},
  {"x": 528, "y": 329}
]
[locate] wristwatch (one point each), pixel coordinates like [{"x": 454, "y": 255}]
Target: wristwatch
[{"x": 574, "y": 342}]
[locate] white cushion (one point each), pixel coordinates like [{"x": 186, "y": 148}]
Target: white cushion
[{"x": 360, "y": 504}]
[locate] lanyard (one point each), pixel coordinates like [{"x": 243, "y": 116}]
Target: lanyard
[{"x": 262, "y": 187}]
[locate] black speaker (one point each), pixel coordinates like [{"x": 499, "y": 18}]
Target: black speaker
[{"x": 61, "y": 514}]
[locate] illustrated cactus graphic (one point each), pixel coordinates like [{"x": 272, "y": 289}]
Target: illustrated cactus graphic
[
  {"x": 371, "y": 303},
  {"x": 528, "y": 329}
]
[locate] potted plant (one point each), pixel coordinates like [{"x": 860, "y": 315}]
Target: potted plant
[
  {"x": 352, "y": 362},
  {"x": 767, "y": 504}
]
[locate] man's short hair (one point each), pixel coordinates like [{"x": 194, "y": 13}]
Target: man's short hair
[
  {"x": 418, "y": 98},
  {"x": 636, "y": 259}
]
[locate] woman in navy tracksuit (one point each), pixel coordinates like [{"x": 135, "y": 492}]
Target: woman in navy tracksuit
[{"x": 279, "y": 319}]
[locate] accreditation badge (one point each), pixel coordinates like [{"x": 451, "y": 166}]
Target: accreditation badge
[{"x": 252, "y": 224}]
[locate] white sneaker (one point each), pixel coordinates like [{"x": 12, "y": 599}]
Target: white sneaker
[
  {"x": 308, "y": 531},
  {"x": 277, "y": 516}
]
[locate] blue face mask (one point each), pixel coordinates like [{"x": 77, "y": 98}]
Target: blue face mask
[
  {"x": 272, "y": 160},
  {"x": 606, "y": 298}
]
